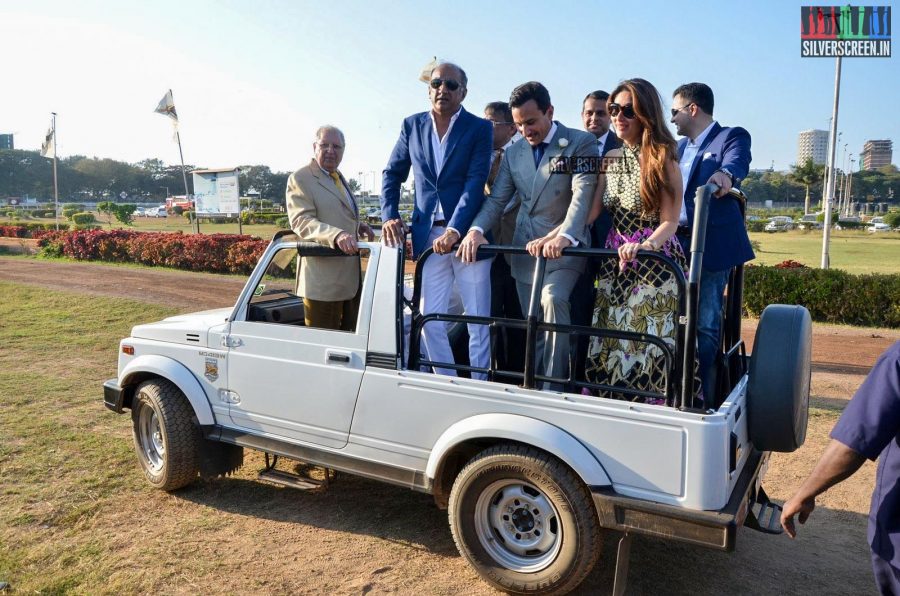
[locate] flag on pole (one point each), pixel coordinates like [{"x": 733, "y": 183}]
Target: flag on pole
[
  {"x": 166, "y": 107},
  {"x": 425, "y": 74},
  {"x": 48, "y": 147}
]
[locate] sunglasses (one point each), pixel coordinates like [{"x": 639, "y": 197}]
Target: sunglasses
[
  {"x": 676, "y": 110},
  {"x": 448, "y": 83},
  {"x": 627, "y": 110}
]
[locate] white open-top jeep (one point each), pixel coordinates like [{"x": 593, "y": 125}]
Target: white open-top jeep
[{"x": 531, "y": 477}]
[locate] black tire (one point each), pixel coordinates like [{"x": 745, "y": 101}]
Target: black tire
[
  {"x": 524, "y": 521},
  {"x": 166, "y": 439},
  {"x": 778, "y": 384}
]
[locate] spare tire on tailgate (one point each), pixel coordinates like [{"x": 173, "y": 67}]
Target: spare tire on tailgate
[{"x": 778, "y": 385}]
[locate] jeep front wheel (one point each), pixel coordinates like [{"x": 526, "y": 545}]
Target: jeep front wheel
[
  {"x": 524, "y": 521},
  {"x": 166, "y": 439}
]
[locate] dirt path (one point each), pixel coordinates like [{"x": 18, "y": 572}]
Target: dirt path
[{"x": 363, "y": 537}]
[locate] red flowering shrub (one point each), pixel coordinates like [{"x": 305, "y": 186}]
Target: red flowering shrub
[
  {"x": 215, "y": 253},
  {"x": 790, "y": 264},
  {"x": 14, "y": 231}
]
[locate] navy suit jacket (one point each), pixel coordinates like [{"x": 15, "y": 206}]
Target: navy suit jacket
[
  {"x": 460, "y": 186},
  {"x": 727, "y": 243}
]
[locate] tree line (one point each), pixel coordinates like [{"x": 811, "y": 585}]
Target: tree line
[
  {"x": 879, "y": 186},
  {"x": 90, "y": 179}
]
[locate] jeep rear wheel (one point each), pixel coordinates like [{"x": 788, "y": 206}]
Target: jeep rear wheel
[
  {"x": 524, "y": 521},
  {"x": 166, "y": 439}
]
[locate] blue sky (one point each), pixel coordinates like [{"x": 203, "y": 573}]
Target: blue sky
[{"x": 252, "y": 81}]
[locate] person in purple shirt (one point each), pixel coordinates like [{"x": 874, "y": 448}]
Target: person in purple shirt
[{"x": 869, "y": 428}]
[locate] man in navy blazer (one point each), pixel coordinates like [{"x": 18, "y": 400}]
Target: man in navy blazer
[
  {"x": 449, "y": 151},
  {"x": 720, "y": 155}
]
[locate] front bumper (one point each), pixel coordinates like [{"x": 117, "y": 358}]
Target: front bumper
[
  {"x": 713, "y": 529},
  {"x": 113, "y": 395}
]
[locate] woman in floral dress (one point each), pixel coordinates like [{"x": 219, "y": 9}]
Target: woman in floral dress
[{"x": 642, "y": 190}]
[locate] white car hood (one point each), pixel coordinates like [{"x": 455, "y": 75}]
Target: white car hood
[{"x": 191, "y": 329}]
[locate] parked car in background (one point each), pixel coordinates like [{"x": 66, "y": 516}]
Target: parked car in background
[
  {"x": 809, "y": 222},
  {"x": 779, "y": 223},
  {"x": 155, "y": 212},
  {"x": 879, "y": 227}
]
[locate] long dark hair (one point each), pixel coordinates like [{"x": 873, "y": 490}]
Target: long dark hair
[{"x": 658, "y": 146}]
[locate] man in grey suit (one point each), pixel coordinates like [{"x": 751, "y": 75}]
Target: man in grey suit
[{"x": 549, "y": 200}]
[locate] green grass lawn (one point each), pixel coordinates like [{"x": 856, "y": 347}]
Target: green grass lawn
[
  {"x": 851, "y": 250},
  {"x": 65, "y": 461}
]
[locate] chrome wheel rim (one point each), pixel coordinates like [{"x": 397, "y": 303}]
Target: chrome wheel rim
[
  {"x": 151, "y": 440},
  {"x": 518, "y": 526}
]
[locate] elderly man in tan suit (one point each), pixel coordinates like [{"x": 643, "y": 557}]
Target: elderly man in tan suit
[{"x": 321, "y": 209}]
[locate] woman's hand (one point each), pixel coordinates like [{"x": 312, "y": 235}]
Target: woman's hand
[{"x": 627, "y": 253}]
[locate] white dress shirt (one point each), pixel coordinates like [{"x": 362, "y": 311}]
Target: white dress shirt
[
  {"x": 601, "y": 143},
  {"x": 438, "y": 146},
  {"x": 687, "y": 160}
]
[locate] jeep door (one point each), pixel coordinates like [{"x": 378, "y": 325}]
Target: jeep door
[{"x": 288, "y": 380}]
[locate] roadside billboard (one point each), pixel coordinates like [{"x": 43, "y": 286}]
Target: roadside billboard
[{"x": 216, "y": 192}]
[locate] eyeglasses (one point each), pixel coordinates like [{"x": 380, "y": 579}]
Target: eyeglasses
[
  {"x": 502, "y": 123},
  {"x": 448, "y": 83},
  {"x": 330, "y": 147},
  {"x": 676, "y": 110},
  {"x": 627, "y": 110}
]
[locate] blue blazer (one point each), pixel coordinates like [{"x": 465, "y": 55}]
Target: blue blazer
[
  {"x": 727, "y": 243},
  {"x": 459, "y": 188}
]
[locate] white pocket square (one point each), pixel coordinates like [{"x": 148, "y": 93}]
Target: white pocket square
[{"x": 707, "y": 155}]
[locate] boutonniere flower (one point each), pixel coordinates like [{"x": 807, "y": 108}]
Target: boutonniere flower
[{"x": 563, "y": 143}]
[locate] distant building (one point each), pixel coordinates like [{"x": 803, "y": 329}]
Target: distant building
[
  {"x": 876, "y": 154},
  {"x": 6, "y": 142},
  {"x": 812, "y": 144}
]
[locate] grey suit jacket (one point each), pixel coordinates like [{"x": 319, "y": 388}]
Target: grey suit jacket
[{"x": 547, "y": 199}]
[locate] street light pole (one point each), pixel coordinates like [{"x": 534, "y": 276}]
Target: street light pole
[{"x": 829, "y": 192}]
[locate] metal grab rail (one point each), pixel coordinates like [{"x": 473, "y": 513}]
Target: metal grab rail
[
  {"x": 732, "y": 332},
  {"x": 533, "y": 326}
]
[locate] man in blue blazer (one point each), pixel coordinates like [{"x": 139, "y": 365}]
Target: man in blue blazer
[
  {"x": 721, "y": 155},
  {"x": 449, "y": 151}
]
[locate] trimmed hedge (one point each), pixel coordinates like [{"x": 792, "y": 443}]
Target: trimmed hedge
[
  {"x": 215, "y": 253},
  {"x": 831, "y": 295},
  {"x": 80, "y": 219}
]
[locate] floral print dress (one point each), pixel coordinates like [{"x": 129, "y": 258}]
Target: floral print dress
[{"x": 643, "y": 298}]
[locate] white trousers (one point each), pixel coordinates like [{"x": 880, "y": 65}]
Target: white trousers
[{"x": 473, "y": 281}]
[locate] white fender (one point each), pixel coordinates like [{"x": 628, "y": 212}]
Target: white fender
[
  {"x": 528, "y": 431},
  {"x": 178, "y": 374}
]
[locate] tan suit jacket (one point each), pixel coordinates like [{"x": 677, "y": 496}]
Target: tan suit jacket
[{"x": 319, "y": 212}]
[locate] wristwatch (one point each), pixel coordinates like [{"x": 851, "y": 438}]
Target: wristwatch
[{"x": 729, "y": 174}]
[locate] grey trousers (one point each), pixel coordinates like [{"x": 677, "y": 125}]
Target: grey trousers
[{"x": 552, "y": 349}]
